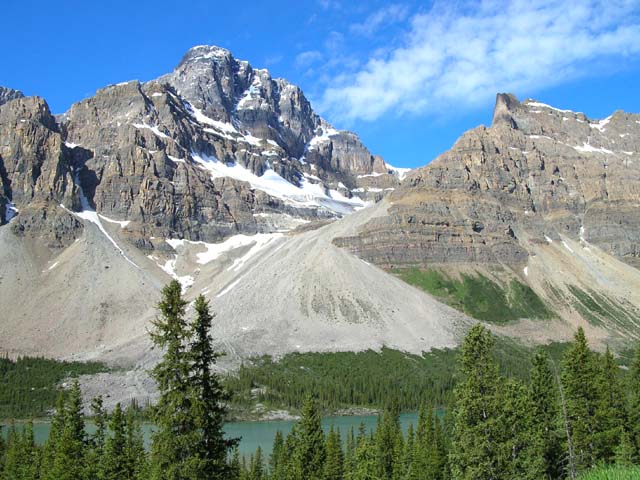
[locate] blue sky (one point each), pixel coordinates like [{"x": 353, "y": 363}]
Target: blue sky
[{"x": 408, "y": 77}]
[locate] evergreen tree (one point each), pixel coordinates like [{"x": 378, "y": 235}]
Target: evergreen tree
[
  {"x": 21, "y": 459},
  {"x": 408, "y": 456},
  {"x": 580, "y": 384},
  {"x": 333, "y": 467},
  {"x": 349, "y": 455},
  {"x": 234, "y": 467},
  {"x": 365, "y": 461},
  {"x": 523, "y": 455},
  {"x": 256, "y": 467},
  {"x": 68, "y": 460},
  {"x": 388, "y": 443},
  {"x": 309, "y": 452},
  {"x": 115, "y": 462},
  {"x": 277, "y": 460},
  {"x": 209, "y": 396},
  {"x": 135, "y": 456},
  {"x": 175, "y": 450},
  {"x": 53, "y": 440},
  {"x": 544, "y": 401},
  {"x": 625, "y": 452},
  {"x": 476, "y": 445},
  {"x": 633, "y": 387},
  {"x": 96, "y": 444},
  {"x": 611, "y": 416}
]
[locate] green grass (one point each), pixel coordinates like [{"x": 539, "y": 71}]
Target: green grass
[
  {"x": 366, "y": 379},
  {"x": 601, "y": 309},
  {"x": 480, "y": 297},
  {"x": 612, "y": 473},
  {"x": 29, "y": 386}
]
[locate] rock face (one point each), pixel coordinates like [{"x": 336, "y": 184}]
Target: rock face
[
  {"x": 8, "y": 94},
  {"x": 537, "y": 173},
  {"x": 212, "y": 149}
]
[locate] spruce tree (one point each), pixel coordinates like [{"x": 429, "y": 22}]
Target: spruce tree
[
  {"x": 210, "y": 396},
  {"x": 523, "y": 455},
  {"x": 388, "y": 443},
  {"x": 96, "y": 444},
  {"x": 546, "y": 412},
  {"x": 333, "y": 467},
  {"x": 349, "y": 455},
  {"x": 21, "y": 459},
  {"x": 611, "y": 416},
  {"x": 633, "y": 387},
  {"x": 581, "y": 390},
  {"x": 477, "y": 434},
  {"x": 135, "y": 456},
  {"x": 277, "y": 460},
  {"x": 175, "y": 450},
  {"x": 68, "y": 461},
  {"x": 256, "y": 467},
  {"x": 52, "y": 444},
  {"x": 309, "y": 452},
  {"x": 115, "y": 460}
]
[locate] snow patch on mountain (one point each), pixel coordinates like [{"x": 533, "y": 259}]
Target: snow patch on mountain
[{"x": 307, "y": 194}]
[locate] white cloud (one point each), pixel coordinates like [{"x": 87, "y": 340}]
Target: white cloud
[
  {"x": 304, "y": 59},
  {"x": 388, "y": 15},
  {"x": 464, "y": 56}
]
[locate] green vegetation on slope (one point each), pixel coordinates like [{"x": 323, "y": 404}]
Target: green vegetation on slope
[
  {"x": 480, "y": 297},
  {"x": 30, "y": 385},
  {"x": 599, "y": 309},
  {"x": 364, "y": 379}
]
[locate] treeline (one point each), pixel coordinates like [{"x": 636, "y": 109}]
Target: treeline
[
  {"x": 560, "y": 422},
  {"x": 556, "y": 425},
  {"x": 29, "y": 384}
]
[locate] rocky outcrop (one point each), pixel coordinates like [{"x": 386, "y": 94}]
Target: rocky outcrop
[
  {"x": 8, "y": 94},
  {"x": 212, "y": 149},
  {"x": 538, "y": 172},
  {"x": 35, "y": 172}
]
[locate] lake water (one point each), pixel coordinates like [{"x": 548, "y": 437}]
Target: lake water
[{"x": 258, "y": 434}]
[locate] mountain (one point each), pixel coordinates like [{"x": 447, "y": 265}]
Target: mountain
[
  {"x": 225, "y": 179},
  {"x": 194, "y": 154},
  {"x": 545, "y": 196},
  {"x": 7, "y": 94}
]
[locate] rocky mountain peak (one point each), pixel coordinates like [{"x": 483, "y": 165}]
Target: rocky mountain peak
[
  {"x": 8, "y": 94},
  {"x": 505, "y": 104}
]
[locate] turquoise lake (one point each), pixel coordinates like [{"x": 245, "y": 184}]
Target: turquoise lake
[{"x": 260, "y": 434}]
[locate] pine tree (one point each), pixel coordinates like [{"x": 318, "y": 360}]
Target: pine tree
[
  {"x": 579, "y": 381},
  {"x": 611, "y": 416},
  {"x": 477, "y": 432},
  {"x": 234, "y": 466},
  {"x": 349, "y": 455},
  {"x": 21, "y": 458},
  {"x": 408, "y": 456},
  {"x": 256, "y": 466},
  {"x": 333, "y": 467},
  {"x": 365, "y": 461},
  {"x": 523, "y": 455},
  {"x": 276, "y": 460},
  {"x": 388, "y": 443},
  {"x": 175, "y": 451},
  {"x": 135, "y": 456},
  {"x": 52, "y": 444},
  {"x": 209, "y": 396},
  {"x": 68, "y": 461},
  {"x": 633, "y": 387},
  {"x": 625, "y": 452},
  {"x": 309, "y": 452},
  {"x": 96, "y": 444},
  {"x": 544, "y": 400},
  {"x": 115, "y": 459}
]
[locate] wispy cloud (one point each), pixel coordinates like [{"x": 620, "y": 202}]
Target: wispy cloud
[
  {"x": 462, "y": 56},
  {"x": 388, "y": 15},
  {"x": 305, "y": 59}
]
